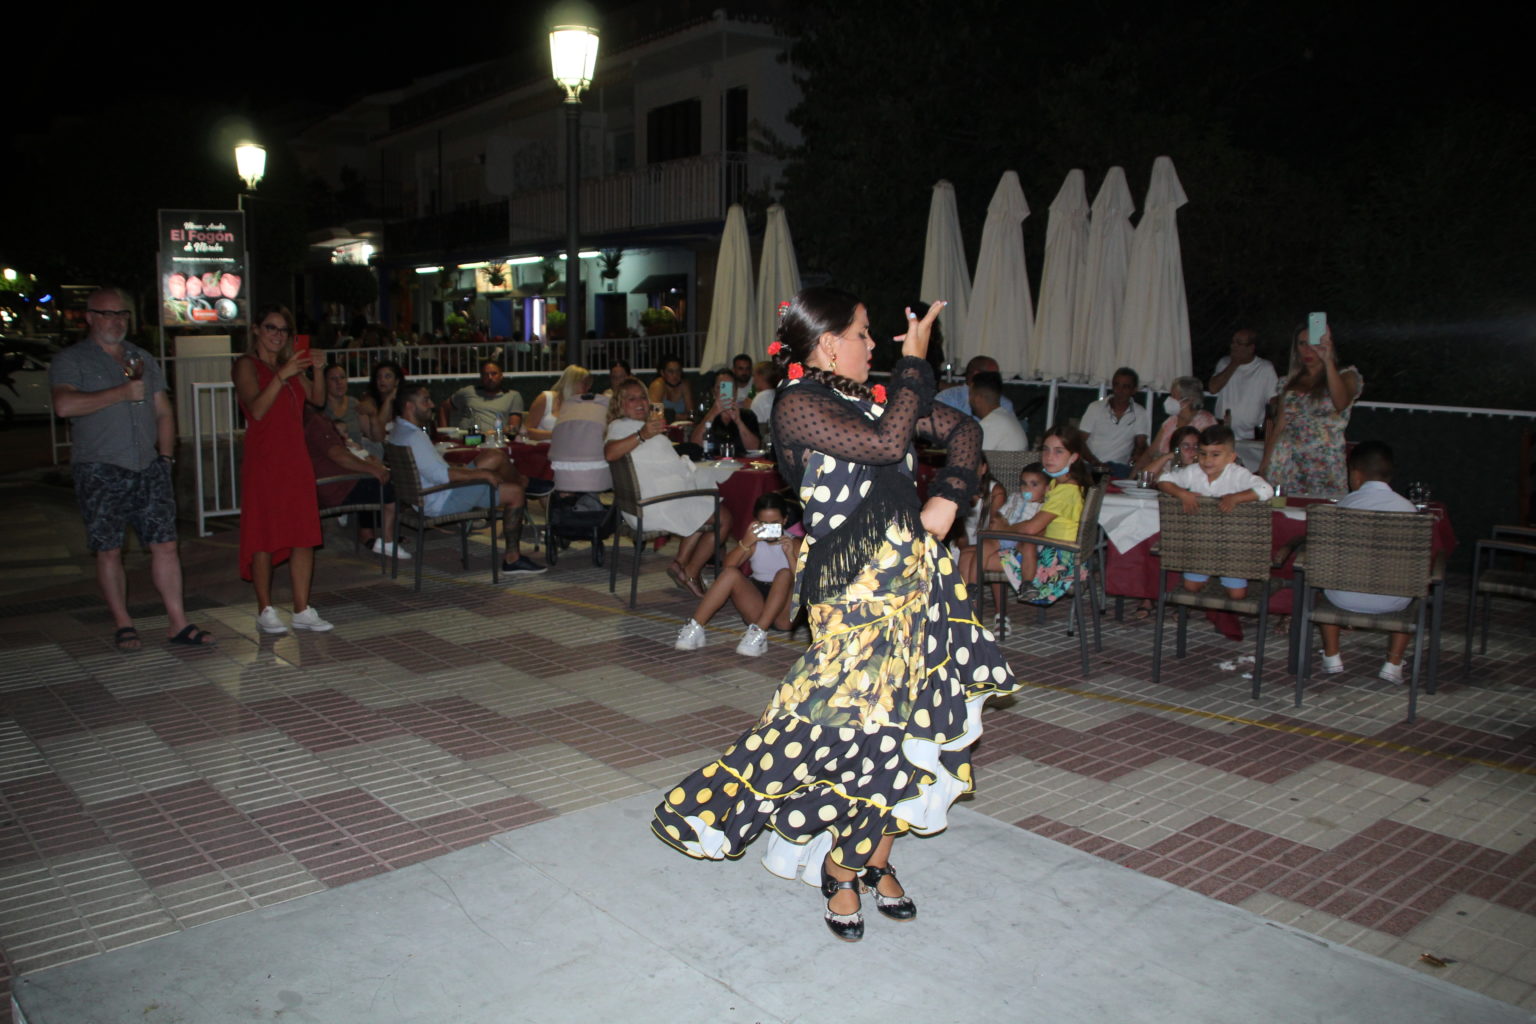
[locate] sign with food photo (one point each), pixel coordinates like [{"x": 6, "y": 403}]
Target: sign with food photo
[{"x": 203, "y": 269}]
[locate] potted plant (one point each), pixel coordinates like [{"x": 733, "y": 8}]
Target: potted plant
[
  {"x": 554, "y": 324},
  {"x": 610, "y": 260},
  {"x": 658, "y": 320}
]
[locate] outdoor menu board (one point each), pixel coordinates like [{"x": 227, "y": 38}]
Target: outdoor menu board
[{"x": 203, "y": 269}]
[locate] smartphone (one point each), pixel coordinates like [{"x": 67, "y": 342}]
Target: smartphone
[
  {"x": 768, "y": 531},
  {"x": 1317, "y": 326},
  {"x": 300, "y": 344},
  {"x": 658, "y": 411},
  {"x": 727, "y": 391}
]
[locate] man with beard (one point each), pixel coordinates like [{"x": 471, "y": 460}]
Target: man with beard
[{"x": 124, "y": 440}]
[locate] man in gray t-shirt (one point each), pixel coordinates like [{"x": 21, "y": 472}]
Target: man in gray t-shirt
[
  {"x": 122, "y": 438},
  {"x": 476, "y": 406}
]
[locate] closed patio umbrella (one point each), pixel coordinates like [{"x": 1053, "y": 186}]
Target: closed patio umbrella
[
  {"x": 1154, "y": 329},
  {"x": 1002, "y": 313},
  {"x": 1101, "y": 295},
  {"x": 946, "y": 272},
  {"x": 1066, "y": 255},
  {"x": 732, "y": 316},
  {"x": 778, "y": 280}
]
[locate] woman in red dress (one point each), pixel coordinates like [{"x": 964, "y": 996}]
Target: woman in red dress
[{"x": 279, "y": 512}]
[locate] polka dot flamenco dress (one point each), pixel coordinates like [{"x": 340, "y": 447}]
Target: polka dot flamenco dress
[{"x": 869, "y": 733}]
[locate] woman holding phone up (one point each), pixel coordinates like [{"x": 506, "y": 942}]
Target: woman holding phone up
[
  {"x": 280, "y": 512},
  {"x": 1304, "y": 446}
]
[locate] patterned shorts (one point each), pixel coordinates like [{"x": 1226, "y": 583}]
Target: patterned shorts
[{"x": 113, "y": 498}]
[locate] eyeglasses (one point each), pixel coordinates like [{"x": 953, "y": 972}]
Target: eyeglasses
[
  {"x": 120, "y": 314},
  {"x": 277, "y": 328}
]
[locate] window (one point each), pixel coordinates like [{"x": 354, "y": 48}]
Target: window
[{"x": 673, "y": 131}]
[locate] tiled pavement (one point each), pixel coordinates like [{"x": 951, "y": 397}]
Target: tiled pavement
[{"x": 143, "y": 794}]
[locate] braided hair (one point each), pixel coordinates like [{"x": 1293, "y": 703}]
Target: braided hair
[{"x": 814, "y": 312}]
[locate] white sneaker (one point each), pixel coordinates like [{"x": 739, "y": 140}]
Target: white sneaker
[
  {"x": 691, "y": 637},
  {"x": 384, "y": 547},
  {"x": 1333, "y": 664},
  {"x": 1000, "y": 626},
  {"x": 310, "y": 619},
  {"x": 1390, "y": 672},
  {"x": 271, "y": 622},
  {"x": 753, "y": 642}
]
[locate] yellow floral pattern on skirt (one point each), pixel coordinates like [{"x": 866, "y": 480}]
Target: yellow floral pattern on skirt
[{"x": 896, "y": 656}]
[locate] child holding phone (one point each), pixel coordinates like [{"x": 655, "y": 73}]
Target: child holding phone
[{"x": 759, "y": 577}]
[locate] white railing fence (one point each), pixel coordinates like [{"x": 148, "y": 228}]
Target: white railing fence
[{"x": 216, "y": 434}]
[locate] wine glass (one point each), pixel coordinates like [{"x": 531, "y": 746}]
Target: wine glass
[
  {"x": 133, "y": 368},
  {"x": 1416, "y": 494}
]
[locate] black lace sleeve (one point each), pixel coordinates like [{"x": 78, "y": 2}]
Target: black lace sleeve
[
  {"x": 807, "y": 418},
  {"x": 960, "y": 435}
]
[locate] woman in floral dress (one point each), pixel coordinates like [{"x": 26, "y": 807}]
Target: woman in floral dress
[
  {"x": 1304, "y": 448},
  {"x": 867, "y": 737}
]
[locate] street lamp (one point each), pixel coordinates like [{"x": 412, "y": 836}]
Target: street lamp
[
  {"x": 251, "y": 163},
  {"x": 572, "y": 59}
]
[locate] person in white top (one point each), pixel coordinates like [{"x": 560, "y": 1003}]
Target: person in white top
[
  {"x": 1115, "y": 428},
  {"x": 1000, "y": 429},
  {"x": 1217, "y": 475},
  {"x": 1370, "y": 475},
  {"x": 1243, "y": 385}
]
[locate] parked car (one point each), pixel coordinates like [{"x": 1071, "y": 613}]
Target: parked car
[{"x": 24, "y": 387}]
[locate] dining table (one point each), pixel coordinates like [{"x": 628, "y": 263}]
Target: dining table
[{"x": 1129, "y": 519}]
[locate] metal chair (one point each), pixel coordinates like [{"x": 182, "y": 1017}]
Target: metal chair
[
  {"x": 376, "y": 507},
  {"x": 1489, "y": 582},
  {"x": 626, "y": 498},
  {"x": 1371, "y": 552},
  {"x": 1214, "y": 543},
  {"x": 1085, "y": 546},
  {"x": 410, "y": 502}
]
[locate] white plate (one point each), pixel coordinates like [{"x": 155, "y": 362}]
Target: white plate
[
  {"x": 1126, "y": 485},
  {"x": 1140, "y": 494}
]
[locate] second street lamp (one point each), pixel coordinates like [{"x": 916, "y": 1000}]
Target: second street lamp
[{"x": 572, "y": 59}]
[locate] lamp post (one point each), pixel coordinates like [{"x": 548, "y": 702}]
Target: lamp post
[
  {"x": 572, "y": 59},
  {"x": 251, "y": 165}
]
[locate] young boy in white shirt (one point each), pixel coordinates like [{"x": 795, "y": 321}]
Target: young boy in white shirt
[
  {"x": 1370, "y": 487},
  {"x": 1216, "y": 475}
]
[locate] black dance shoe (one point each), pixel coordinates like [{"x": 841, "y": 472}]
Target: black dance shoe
[
  {"x": 897, "y": 908},
  {"x": 848, "y": 927}
]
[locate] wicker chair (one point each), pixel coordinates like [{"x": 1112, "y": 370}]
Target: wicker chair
[
  {"x": 1006, "y": 466},
  {"x": 1086, "y": 547},
  {"x": 1371, "y": 552},
  {"x": 1489, "y": 582},
  {"x": 376, "y": 507},
  {"x": 1215, "y": 544},
  {"x": 626, "y": 498},
  {"x": 410, "y": 501}
]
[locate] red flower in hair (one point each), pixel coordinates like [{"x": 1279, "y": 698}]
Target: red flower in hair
[
  {"x": 774, "y": 347},
  {"x": 796, "y": 371},
  {"x": 879, "y": 392}
]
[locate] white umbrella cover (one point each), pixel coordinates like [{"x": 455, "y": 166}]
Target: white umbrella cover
[
  {"x": 778, "y": 280},
  {"x": 732, "y": 318},
  {"x": 1066, "y": 256},
  {"x": 1154, "y": 330},
  {"x": 946, "y": 273},
  {"x": 1002, "y": 313},
  {"x": 1101, "y": 295}
]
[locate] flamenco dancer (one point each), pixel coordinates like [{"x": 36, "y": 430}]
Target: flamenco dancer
[{"x": 867, "y": 738}]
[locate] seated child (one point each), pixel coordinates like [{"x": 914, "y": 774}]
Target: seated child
[
  {"x": 1216, "y": 475},
  {"x": 1018, "y": 507},
  {"x": 1042, "y": 574},
  {"x": 762, "y": 591},
  {"x": 1370, "y": 487},
  {"x": 989, "y": 498}
]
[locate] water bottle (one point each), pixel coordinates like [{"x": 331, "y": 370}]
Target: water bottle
[
  {"x": 709, "y": 440},
  {"x": 500, "y": 439}
]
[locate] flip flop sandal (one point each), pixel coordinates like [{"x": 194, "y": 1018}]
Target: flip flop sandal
[
  {"x": 127, "y": 639},
  {"x": 679, "y": 576},
  {"x": 191, "y": 636}
]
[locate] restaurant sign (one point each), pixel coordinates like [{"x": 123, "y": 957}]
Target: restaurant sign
[{"x": 203, "y": 269}]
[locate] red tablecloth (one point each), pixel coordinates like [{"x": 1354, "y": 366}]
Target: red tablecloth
[
  {"x": 1134, "y": 573},
  {"x": 530, "y": 458}
]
